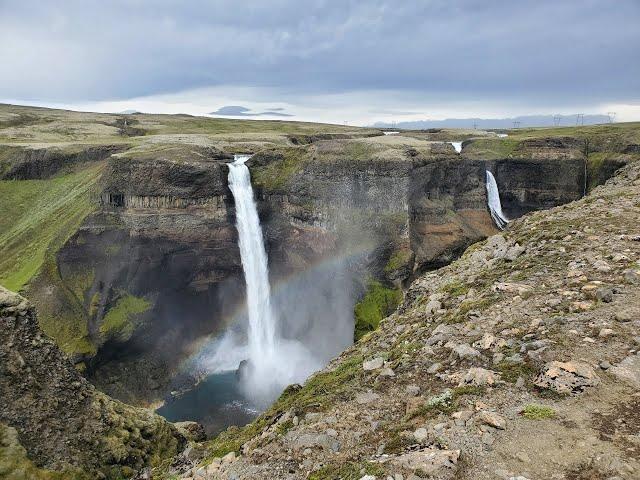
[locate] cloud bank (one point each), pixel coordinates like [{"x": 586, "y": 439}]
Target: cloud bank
[{"x": 543, "y": 54}]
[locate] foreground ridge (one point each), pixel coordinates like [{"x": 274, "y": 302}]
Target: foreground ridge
[
  {"x": 519, "y": 360},
  {"x": 54, "y": 424}
]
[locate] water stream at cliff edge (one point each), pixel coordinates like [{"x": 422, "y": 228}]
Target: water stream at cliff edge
[{"x": 493, "y": 199}]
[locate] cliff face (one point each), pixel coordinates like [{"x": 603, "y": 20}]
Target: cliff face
[
  {"x": 157, "y": 266},
  {"x": 51, "y": 418},
  {"x": 527, "y": 342},
  {"x": 154, "y": 269}
]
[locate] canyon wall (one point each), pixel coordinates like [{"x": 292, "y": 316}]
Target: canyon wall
[{"x": 157, "y": 267}]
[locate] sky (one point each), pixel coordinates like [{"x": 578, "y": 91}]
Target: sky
[{"x": 340, "y": 61}]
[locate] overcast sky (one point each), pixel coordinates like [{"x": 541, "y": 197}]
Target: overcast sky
[{"x": 337, "y": 61}]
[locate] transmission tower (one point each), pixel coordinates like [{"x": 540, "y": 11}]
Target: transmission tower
[
  {"x": 475, "y": 125},
  {"x": 579, "y": 118},
  {"x": 612, "y": 116},
  {"x": 556, "y": 119},
  {"x": 516, "y": 124}
]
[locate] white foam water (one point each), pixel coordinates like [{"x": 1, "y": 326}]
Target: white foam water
[
  {"x": 273, "y": 362},
  {"x": 493, "y": 200},
  {"x": 457, "y": 146},
  {"x": 262, "y": 324}
]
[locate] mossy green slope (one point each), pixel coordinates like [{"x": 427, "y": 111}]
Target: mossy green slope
[
  {"x": 119, "y": 320},
  {"x": 38, "y": 216},
  {"x": 378, "y": 302}
]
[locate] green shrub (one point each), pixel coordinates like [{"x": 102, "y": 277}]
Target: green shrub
[{"x": 538, "y": 412}]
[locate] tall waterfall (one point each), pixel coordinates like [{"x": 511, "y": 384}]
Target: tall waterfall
[
  {"x": 493, "y": 199},
  {"x": 262, "y": 323},
  {"x": 273, "y": 361}
]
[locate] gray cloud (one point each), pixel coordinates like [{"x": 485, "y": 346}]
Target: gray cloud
[
  {"x": 239, "y": 111},
  {"x": 563, "y": 53}
]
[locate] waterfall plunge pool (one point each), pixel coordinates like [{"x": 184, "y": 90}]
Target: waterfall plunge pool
[{"x": 216, "y": 403}]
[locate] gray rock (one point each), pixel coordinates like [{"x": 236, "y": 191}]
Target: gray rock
[
  {"x": 624, "y": 316},
  {"x": 373, "y": 364},
  {"x": 421, "y": 435},
  {"x": 632, "y": 277},
  {"x": 435, "y": 368},
  {"x": 311, "y": 440},
  {"x": 464, "y": 351},
  {"x": 432, "y": 307},
  {"x": 441, "y": 464},
  {"x": 366, "y": 397},
  {"x": 479, "y": 377},
  {"x": 628, "y": 370},
  {"x": 604, "y": 365},
  {"x": 567, "y": 377},
  {"x": 412, "y": 390},
  {"x": 492, "y": 419},
  {"x": 313, "y": 417},
  {"x": 514, "y": 252},
  {"x": 604, "y": 294}
]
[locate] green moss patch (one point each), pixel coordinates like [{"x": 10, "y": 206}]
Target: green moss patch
[
  {"x": 347, "y": 471},
  {"x": 455, "y": 288},
  {"x": 491, "y": 148},
  {"x": 537, "y": 412},
  {"x": 120, "y": 319},
  {"x": 277, "y": 173},
  {"x": 398, "y": 260},
  {"x": 510, "y": 371},
  {"x": 378, "y": 302}
]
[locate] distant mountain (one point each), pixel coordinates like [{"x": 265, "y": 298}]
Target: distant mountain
[
  {"x": 128, "y": 112},
  {"x": 486, "y": 123}
]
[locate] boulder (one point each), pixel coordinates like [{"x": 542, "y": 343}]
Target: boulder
[
  {"x": 479, "y": 377},
  {"x": 373, "y": 364},
  {"x": 432, "y": 463},
  {"x": 567, "y": 377},
  {"x": 628, "y": 370},
  {"x": 492, "y": 419}
]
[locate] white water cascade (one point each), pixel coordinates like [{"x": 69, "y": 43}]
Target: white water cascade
[
  {"x": 493, "y": 199},
  {"x": 273, "y": 362},
  {"x": 457, "y": 146},
  {"x": 262, "y": 324}
]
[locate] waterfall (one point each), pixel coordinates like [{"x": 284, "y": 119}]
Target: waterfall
[
  {"x": 457, "y": 146},
  {"x": 273, "y": 362},
  {"x": 262, "y": 324},
  {"x": 493, "y": 200}
]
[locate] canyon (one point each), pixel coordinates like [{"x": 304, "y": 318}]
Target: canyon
[{"x": 133, "y": 265}]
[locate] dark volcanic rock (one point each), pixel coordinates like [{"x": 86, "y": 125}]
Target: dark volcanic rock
[
  {"x": 62, "y": 421},
  {"x": 38, "y": 163}
]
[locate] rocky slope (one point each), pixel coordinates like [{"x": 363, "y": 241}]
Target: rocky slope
[
  {"x": 54, "y": 424},
  {"x": 519, "y": 360}
]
